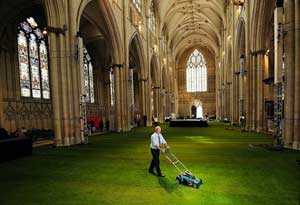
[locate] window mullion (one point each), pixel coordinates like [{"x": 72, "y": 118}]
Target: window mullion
[
  {"x": 29, "y": 64},
  {"x": 40, "y": 70}
]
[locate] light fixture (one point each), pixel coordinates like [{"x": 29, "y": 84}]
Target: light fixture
[{"x": 45, "y": 32}]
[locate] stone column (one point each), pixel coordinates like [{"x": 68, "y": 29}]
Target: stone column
[
  {"x": 160, "y": 105},
  {"x": 254, "y": 93},
  {"x": 64, "y": 93},
  {"x": 144, "y": 100},
  {"x": 69, "y": 81},
  {"x": 241, "y": 88},
  {"x": 247, "y": 102},
  {"x": 289, "y": 72},
  {"x": 117, "y": 98},
  {"x": 259, "y": 93},
  {"x": 156, "y": 96},
  {"x": 296, "y": 142},
  {"x": 251, "y": 88},
  {"x": 122, "y": 98},
  {"x": 2, "y": 80},
  {"x": 55, "y": 93},
  {"x": 131, "y": 96},
  {"x": 149, "y": 100}
]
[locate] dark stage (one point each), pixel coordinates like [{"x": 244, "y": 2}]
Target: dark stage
[{"x": 188, "y": 123}]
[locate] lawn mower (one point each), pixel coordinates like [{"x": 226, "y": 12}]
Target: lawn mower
[{"x": 185, "y": 176}]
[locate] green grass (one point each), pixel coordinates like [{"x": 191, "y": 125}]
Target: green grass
[{"x": 113, "y": 169}]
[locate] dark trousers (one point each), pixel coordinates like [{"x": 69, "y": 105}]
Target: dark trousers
[{"x": 155, "y": 161}]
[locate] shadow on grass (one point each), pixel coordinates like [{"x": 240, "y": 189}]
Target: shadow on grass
[{"x": 168, "y": 185}]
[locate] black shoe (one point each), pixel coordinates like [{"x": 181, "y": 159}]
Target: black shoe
[
  {"x": 161, "y": 175},
  {"x": 151, "y": 172}
]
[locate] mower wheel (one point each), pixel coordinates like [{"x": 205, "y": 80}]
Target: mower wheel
[
  {"x": 178, "y": 181},
  {"x": 196, "y": 186}
]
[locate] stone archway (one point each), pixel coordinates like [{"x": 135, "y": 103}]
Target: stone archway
[
  {"x": 197, "y": 111},
  {"x": 193, "y": 111},
  {"x": 136, "y": 82},
  {"x": 101, "y": 39}
]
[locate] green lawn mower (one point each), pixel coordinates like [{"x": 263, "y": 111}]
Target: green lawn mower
[{"x": 185, "y": 176}]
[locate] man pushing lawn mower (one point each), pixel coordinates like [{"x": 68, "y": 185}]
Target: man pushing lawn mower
[{"x": 157, "y": 143}]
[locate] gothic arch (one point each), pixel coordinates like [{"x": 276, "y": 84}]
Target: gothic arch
[
  {"x": 137, "y": 42},
  {"x": 106, "y": 12}
]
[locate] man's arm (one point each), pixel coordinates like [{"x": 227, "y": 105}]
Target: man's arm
[{"x": 164, "y": 142}]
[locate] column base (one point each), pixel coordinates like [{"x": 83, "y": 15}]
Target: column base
[
  {"x": 58, "y": 143},
  {"x": 288, "y": 145},
  {"x": 259, "y": 129},
  {"x": 296, "y": 145},
  {"x": 66, "y": 141}
]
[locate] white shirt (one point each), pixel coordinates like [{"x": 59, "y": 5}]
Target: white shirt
[{"x": 157, "y": 139}]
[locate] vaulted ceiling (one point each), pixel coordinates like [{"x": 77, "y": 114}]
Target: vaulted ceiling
[{"x": 193, "y": 23}]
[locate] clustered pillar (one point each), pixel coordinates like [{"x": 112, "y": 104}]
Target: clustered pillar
[
  {"x": 65, "y": 94},
  {"x": 292, "y": 78}
]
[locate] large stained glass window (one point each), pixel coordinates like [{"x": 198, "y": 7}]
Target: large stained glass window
[
  {"x": 33, "y": 61},
  {"x": 152, "y": 19},
  {"x": 196, "y": 73},
  {"x": 88, "y": 77}
]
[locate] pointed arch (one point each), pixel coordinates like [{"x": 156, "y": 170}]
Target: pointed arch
[
  {"x": 110, "y": 24},
  {"x": 136, "y": 43}
]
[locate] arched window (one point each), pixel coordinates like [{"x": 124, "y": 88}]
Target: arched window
[
  {"x": 136, "y": 13},
  {"x": 152, "y": 19},
  {"x": 88, "y": 77},
  {"x": 196, "y": 73},
  {"x": 33, "y": 60}
]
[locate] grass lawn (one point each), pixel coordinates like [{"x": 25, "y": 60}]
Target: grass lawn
[{"x": 113, "y": 169}]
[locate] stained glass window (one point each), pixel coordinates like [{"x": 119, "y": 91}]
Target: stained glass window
[
  {"x": 34, "y": 64},
  {"x": 33, "y": 61},
  {"x": 88, "y": 77},
  {"x": 44, "y": 70},
  {"x": 23, "y": 65},
  {"x": 196, "y": 73},
  {"x": 152, "y": 19},
  {"x": 112, "y": 87}
]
